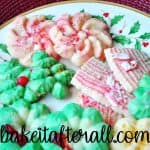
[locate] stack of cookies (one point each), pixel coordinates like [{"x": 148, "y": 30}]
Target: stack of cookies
[{"x": 109, "y": 86}]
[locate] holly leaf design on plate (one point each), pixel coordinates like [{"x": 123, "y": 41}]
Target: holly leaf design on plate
[
  {"x": 99, "y": 18},
  {"x": 116, "y": 19},
  {"x": 122, "y": 39},
  {"x": 3, "y": 47},
  {"x": 137, "y": 45},
  {"x": 135, "y": 28},
  {"x": 82, "y": 11},
  {"x": 145, "y": 36},
  {"x": 49, "y": 17}
]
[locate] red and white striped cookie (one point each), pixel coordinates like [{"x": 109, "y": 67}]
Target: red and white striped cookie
[
  {"x": 90, "y": 79},
  {"x": 128, "y": 66},
  {"x": 96, "y": 80},
  {"x": 109, "y": 115}
]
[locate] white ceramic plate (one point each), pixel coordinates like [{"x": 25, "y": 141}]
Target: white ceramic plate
[{"x": 129, "y": 28}]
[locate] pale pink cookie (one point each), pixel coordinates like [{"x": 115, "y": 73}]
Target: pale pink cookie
[
  {"x": 64, "y": 25},
  {"x": 100, "y": 30},
  {"x": 94, "y": 24},
  {"x": 96, "y": 80},
  {"x": 62, "y": 44},
  {"x": 79, "y": 19},
  {"x": 81, "y": 56},
  {"x": 97, "y": 46},
  {"x": 128, "y": 66},
  {"x": 74, "y": 46},
  {"x": 78, "y": 37},
  {"x": 109, "y": 115},
  {"x": 18, "y": 46},
  {"x": 29, "y": 35}
]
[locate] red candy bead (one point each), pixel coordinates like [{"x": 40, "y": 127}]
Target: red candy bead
[
  {"x": 22, "y": 81},
  {"x": 145, "y": 44},
  {"x": 106, "y": 14}
]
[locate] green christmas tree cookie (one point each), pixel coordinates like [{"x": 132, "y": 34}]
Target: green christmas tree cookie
[
  {"x": 45, "y": 75},
  {"x": 139, "y": 107}
]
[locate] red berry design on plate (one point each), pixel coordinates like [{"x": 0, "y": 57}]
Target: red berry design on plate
[
  {"x": 22, "y": 80},
  {"x": 120, "y": 31},
  {"x": 106, "y": 14},
  {"x": 145, "y": 44}
]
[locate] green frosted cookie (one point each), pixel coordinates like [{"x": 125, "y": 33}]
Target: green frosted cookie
[
  {"x": 45, "y": 75},
  {"x": 65, "y": 76},
  {"x": 21, "y": 113},
  {"x": 9, "y": 146},
  {"x": 75, "y": 117},
  {"x": 42, "y": 60},
  {"x": 32, "y": 146},
  {"x": 26, "y": 112},
  {"x": 139, "y": 107},
  {"x": 11, "y": 95},
  {"x": 50, "y": 146},
  {"x": 10, "y": 69},
  {"x": 36, "y": 112},
  {"x": 38, "y": 116},
  {"x": 10, "y": 116},
  {"x": 60, "y": 91},
  {"x": 22, "y": 107},
  {"x": 57, "y": 68}
]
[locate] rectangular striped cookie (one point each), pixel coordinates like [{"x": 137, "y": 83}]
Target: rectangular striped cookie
[
  {"x": 128, "y": 66},
  {"x": 96, "y": 80},
  {"x": 110, "y": 116}
]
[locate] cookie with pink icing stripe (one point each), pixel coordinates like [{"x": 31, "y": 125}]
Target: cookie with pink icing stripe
[
  {"x": 110, "y": 116},
  {"x": 28, "y": 35},
  {"x": 78, "y": 37},
  {"x": 96, "y": 80},
  {"x": 128, "y": 66}
]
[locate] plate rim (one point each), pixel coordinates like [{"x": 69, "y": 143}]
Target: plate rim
[{"x": 71, "y": 2}]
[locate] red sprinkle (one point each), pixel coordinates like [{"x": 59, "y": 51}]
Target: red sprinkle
[
  {"x": 106, "y": 14},
  {"x": 21, "y": 139},
  {"x": 145, "y": 44},
  {"x": 62, "y": 142},
  {"x": 22, "y": 81}
]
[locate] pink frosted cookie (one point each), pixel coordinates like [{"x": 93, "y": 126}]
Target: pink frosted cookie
[
  {"x": 128, "y": 66},
  {"x": 78, "y": 37},
  {"x": 28, "y": 35},
  {"x": 96, "y": 80},
  {"x": 109, "y": 115}
]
